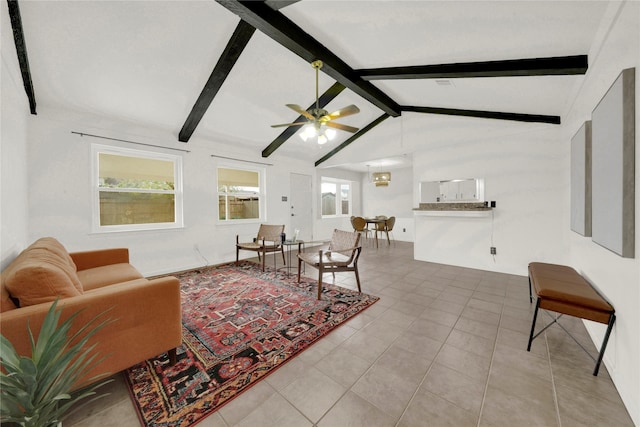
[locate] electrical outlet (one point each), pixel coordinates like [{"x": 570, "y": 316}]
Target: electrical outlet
[{"x": 492, "y": 249}]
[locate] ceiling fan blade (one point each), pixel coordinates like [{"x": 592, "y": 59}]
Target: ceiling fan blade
[
  {"x": 342, "y": 127},
  {"x": 343, "y": 112},
  {"x": 298, "y": 109},
  {"x": 289, "y": 124}
]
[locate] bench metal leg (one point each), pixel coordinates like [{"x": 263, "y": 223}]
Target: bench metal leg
[
  {"x": 530, "y": 294},
  {"x": 612, "y": 320},
  {"x": 533, "y": 324}
]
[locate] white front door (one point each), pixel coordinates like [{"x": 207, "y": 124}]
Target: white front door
[{"x": 301, "y": 202}]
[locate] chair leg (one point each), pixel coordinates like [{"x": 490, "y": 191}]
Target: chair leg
[
  {"x": 237, "y": 255},
  {"x": 264, "y": 259},
  {"x": 319, "y": 280},
  {"x": 282, "y": 250},
  {"x": 173, "y": 356},
  {"x": 299, "y": 266},
  {"x": 357, "y": 279}
]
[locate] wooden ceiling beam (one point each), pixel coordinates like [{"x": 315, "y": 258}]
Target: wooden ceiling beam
[
  {"x": 284, "y": 31},
  {"x": 360, "y": 133},
  {"x": 518, "y": 117},
  {"x": 238, "y": 41},
  {"x": 324, "y": 99},
  {"x": 552, "y": 66},
  {"x": 21, "y": 50}
]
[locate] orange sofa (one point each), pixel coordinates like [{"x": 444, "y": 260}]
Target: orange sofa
[{"x": 145, "y": 314}]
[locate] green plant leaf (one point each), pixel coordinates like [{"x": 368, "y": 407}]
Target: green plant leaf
[
  {"x": 9, "y": 358},
  {"x": 36, "y": 391}
]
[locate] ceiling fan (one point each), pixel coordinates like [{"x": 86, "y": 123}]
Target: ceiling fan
[{"x": 319, "y": 121}]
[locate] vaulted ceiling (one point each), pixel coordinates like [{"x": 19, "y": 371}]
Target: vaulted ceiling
[{"x": 222, "y": 71}]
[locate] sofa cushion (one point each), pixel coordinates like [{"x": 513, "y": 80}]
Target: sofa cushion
[
  {"x": 34, "y": 281},
  {"x": 53, "y": 245},
  {"x": 41, "y": 273},
  {"x": 50, "y": 250},
  {"x": 98, "y": 277},
  {"x": 6, "y": 303}
]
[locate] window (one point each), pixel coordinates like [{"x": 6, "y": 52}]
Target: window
[
  {"x": 239, "y": 194},
  {"x": 136, "y": 190},
  {"x": 336, "y": 197}
]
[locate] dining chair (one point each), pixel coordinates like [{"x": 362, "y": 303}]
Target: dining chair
[
  {"x": 342, "y": 255},
  {"x": 359, "y": 224},
  {"x": 389, "y": 223},
  {"x": 380, "y": 226},
  {"x": 268, "y": 240}
]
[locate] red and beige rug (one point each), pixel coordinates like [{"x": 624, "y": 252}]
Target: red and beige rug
[{"x": 238, "y": 324}]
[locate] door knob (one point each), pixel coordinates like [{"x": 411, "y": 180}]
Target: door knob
[{"x": 293, "y": 214}]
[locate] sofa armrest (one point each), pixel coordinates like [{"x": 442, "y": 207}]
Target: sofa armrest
[
  {"x": 146, "y": 320},
  {"x": 100, "y": 257}
]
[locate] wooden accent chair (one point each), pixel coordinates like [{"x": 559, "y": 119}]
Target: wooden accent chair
[
  {"x": 342, "y": 255},
  {"x": 268, "y": 240}
]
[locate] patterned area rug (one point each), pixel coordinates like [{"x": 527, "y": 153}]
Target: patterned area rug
[{"x": 238, "y": 325}]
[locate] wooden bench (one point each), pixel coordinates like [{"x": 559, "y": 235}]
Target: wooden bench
[{"x": 561, "y": 289}]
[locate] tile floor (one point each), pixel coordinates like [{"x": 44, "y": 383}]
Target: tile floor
[{"x": 444, "y": 346}]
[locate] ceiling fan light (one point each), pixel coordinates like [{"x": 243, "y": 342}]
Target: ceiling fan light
[
  {"x": 308, "y": 131},
  {"x": 330, "y": 133},
  {"x": 322, "y": 139}
]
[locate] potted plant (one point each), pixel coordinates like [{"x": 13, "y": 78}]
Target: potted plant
[{"x": 36, "y": 391}]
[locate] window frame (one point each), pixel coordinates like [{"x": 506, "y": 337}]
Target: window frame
[
  {"x": 261, "y": 194},
  {"x": 96, "y": 150},
  {"x": 338, "y": 208}
]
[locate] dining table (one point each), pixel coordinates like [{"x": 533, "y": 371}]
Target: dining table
[{"x": 375, "y": 222}]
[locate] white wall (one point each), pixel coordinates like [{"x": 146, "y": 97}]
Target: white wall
[
  {"x": 528, "y": 175},
  {"x": 13, "y": 148},
  {"x": 525, "y": 175},
  {"x": 60, "y": 192},
  {"x": 617, "y": 278},
  {"x": 394, "y": 200}
]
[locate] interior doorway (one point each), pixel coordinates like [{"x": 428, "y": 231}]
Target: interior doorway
[{"x": 301, "y": 207}]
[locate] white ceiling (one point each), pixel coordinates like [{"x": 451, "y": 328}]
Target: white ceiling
[{"x": 147, "y": 61}]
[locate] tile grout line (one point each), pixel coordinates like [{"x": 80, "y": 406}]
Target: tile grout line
[
  {"x": 424, "y": 378},
  {"x": 553, "y": 381},
  {"x": 348, "y": 389},
  {"x": 493, "y": 354}
]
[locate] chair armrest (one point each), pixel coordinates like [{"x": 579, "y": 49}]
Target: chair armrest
[
  {"x": 272, "y": 243},
  {"x": 353, "y": 253},
  {"x": 345, "y": 250},
  {"x": 100, "y": 257}
]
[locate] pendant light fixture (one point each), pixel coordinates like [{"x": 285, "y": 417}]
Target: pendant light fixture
[{"x": 381, "y": 179}]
